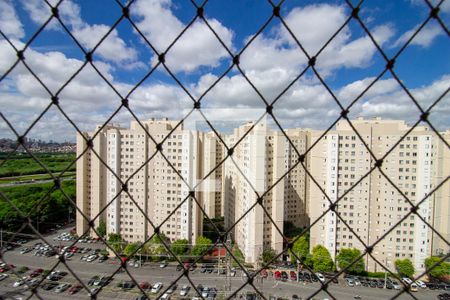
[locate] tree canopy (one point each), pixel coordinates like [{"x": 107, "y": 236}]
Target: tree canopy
[
  {"x": 404, "y": 267},
  {"x": 180, "y": 247},
  {"x": 321, "y": 259},
  {"x": 300, "y": 248},
  {"x": 346, "y": 257},
  {"x": 438, "y": 271},
  {"x": 268, "y": 255},
  {"x": 201, "y": 247}
]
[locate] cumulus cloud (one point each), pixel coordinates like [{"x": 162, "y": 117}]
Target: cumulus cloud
[
  {"x": 277, "y": 57},
  {"x": 424, "y": 38},
  {"x": 197, "y": 46},
  {"x": 271, "y": 62},
  {"x": 113, "y": 48},
  {"x": 10, "y": 24}
]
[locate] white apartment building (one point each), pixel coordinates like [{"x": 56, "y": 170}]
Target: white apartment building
[
  {"x": 156, "y": 187},
  {"x": 337, "y": 162},
  {"x": 255, "y": 164},
  {"x": 373, "y": 206}
]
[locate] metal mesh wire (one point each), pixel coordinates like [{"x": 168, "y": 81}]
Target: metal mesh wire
[{"x": 269, "y": 104}]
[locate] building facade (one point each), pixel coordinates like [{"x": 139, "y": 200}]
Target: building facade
[
  {"x": 158, "y": 182},
  {"x": 298, "y": 174},
  {"x": 374, "y": 203}
]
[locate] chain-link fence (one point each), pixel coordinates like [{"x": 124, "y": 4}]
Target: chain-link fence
[{"x": 253, "y": 276}]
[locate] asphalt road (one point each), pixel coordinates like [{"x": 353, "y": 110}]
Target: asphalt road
[{"x": 153, "y": 273}]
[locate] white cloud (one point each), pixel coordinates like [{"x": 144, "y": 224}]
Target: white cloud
[
  {"x": 424, "y": 38},
  {"x": 313, "y": 26},
  {"x": 10, "y": 24},
  {"x": 113, "y": 48},
  {"x": 197, "y": 47},
  {"x": 444, "y": 7},
  {"x": 40, "y": 12}
]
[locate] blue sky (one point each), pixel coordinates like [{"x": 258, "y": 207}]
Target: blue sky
[{"x": 271, "y": 62}]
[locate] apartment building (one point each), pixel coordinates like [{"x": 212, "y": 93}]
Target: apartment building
[
  {"x": 212, "y": 171},
  {"x": 441, "y": 197},
  {"x": 256, "y": 163},
  {"x": 370, "y": 203},
  {"x": 296, "y": 182},
  {"x": 158, "y": 183}
]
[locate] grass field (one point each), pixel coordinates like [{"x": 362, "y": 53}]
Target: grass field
[
  {"x": 35, "y": 177},
  {"x": 23, "y": 164}
]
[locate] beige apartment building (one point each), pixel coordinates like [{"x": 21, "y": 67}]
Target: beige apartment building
[
  {"x": 264, "y": 162},
  {"x": 373, "y": 206},
  {"x": 255, "y": 164},
  {"x": 441, "y": 198},
  {"x": 156, "y": 188},
  {"x": 339, "y": 164}
]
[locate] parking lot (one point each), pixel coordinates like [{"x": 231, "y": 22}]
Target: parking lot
[{"x": 91, "y": 271}]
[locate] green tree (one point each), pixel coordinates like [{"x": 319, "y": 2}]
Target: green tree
[
  {"x": 155, "y": 247},
  {"x": 101, "y": 229},
  {"x": 130, "y": 249},
  {"x": 438, "y": 271},
  {"x": 321, "y": 259},
  {"x": 201, "y": 247},
  {"x": 268, "y": 255},
  {"x": 404, "y": 267},
  {"x": 346, "y": 257},
  {"x": 300, "y": 248},
  {"x": 116, "y": 242},
  {"x": 180, "y": 247}
]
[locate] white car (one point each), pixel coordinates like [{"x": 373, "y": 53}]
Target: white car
[
  {"x": 91, "y": 258},
  {"x": 61, "y": 288},
  {"x": 320, "y": 277},
  {"x": 19, "y": 282},
  {"x": 184, "y": 290},
  {"x": 165, "y": 297},
  {"x": 155, "y": 289},
  {"x": 421, "y": 284},
  {"x": 3, "y": 276},
  {"x": 407, "y": 280}
]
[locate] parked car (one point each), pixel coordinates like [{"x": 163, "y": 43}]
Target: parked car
[
  {"x": 172, "y": 288},
  {"x": 156, "y": 288},
  {"x": 277, "y": 275},
  {"x": 36, "y": 272},
  {"x": 165, "y": 297},
  {"x": 163, "y": 264},
  {"x": 3, "y": 276},
  {"x": 350, "y": 282},
  {"x": 413, "y": 287},
  {"x": 49, "y": 286},
  {"x": 184, "y": 290},
  {"x": 75, "y": 289},
  {"x": 128, "y": 285},
  {"x": 407, "y": 280},
  {"x": 421, "y": 284},
  {"x": 61, "y": 288},
  {"x": 320, "y": 277},
  {"x": 284, "y": 276},
  {"x": 293, "y": 275},
  {"x": 145, "y": 285}
]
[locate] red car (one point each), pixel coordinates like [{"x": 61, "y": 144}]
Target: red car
[
  {"x": 293, "y": 276},
  {"x": 277, "y": 275},
  {"x": 145, "y": 285},
  {"x": 74, "y": 289},
  {"x": 36, "y": 272}
]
